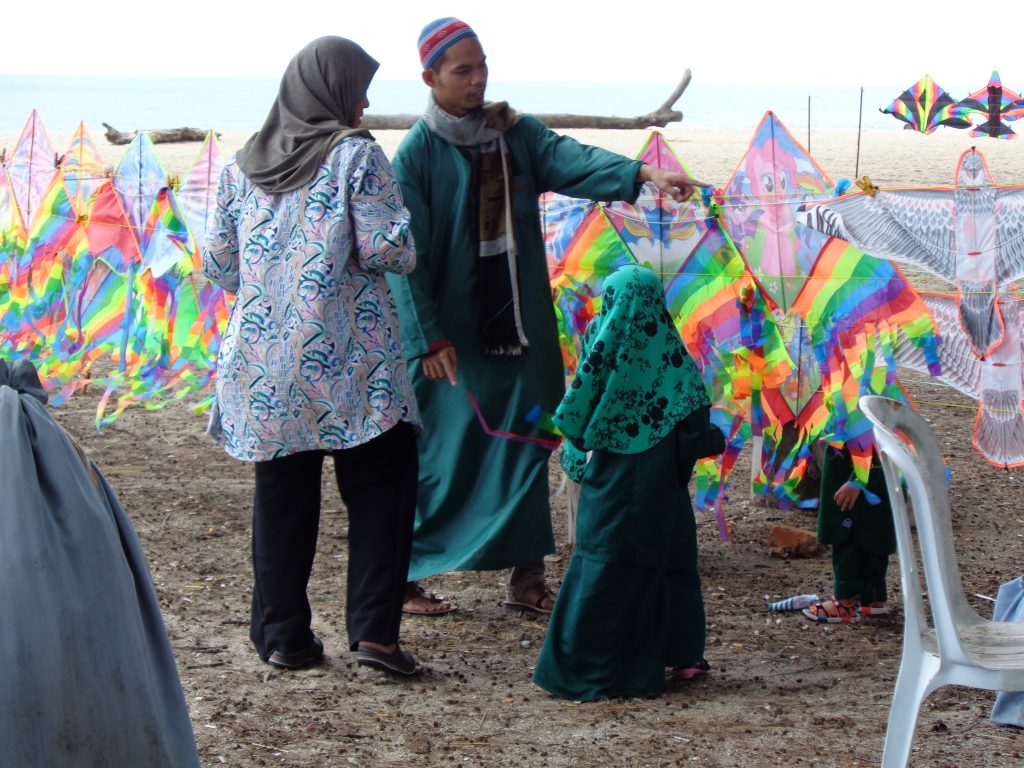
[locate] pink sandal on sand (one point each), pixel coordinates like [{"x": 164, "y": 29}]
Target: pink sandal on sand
[{"x": 700, "y": 669}]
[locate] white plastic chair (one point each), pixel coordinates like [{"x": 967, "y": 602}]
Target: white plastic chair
[{"x": 959, "y": 647}]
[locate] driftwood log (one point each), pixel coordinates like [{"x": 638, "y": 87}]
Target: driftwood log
[
  {"x": 659, "y": 118},
  {"x": 168, "y": 136}
]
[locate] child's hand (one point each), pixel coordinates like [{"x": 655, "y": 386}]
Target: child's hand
[{"x": 847, "y": 496}]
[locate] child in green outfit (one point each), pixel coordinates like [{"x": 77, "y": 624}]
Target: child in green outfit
[
  {"x": 630, "y": 604},
  {"x": 857, "y": 522}
]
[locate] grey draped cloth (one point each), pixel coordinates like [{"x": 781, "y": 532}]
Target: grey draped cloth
[
  {"x": 480, "y": 135},
  {"x": 322, "y": 89},
  {"x": 88, "y": 677},
  {"x": 1009, "y": 706}
]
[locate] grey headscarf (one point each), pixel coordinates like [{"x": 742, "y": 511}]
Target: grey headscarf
[
  {"x": 473, "y": 129},
  {"x": 22, "y": 377},
  {"x": 320, "y": 92}
]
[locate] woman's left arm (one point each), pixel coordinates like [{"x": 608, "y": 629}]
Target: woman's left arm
[
  {"x": 220, "y": 247},
  {"x": 383, "y": 237}
]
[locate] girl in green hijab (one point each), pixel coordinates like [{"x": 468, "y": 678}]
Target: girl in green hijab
[{"x": 630, "y": 604}]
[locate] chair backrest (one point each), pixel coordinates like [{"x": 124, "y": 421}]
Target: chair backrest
[{"x": 916, "y": 455}]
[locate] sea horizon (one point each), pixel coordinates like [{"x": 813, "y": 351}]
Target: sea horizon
[{"x": 241, "y": 104}]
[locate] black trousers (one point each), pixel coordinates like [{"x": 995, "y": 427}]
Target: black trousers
[{"x": 377, "y": 481}]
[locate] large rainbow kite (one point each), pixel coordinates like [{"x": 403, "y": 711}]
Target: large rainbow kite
[
  {"x": 97, "y": 280},
  {"x": 788, "y": 325}
]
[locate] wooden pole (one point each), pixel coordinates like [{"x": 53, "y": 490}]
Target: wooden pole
[
  {"x": 860, "y": 118},
  {"x": 808, "y": 124},
  {"x": 572, "y": 493}
]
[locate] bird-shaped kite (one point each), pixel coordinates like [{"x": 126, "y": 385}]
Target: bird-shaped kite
[
  {"x": 997, "y": 382},
  {"x": 970, "y": 234}
]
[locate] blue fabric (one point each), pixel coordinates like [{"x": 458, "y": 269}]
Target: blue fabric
[
  {"x": 88, "y": 674},
  {"x": 1009, "y": 706}
]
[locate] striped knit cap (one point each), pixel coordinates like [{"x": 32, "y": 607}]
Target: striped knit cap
[{"x": 438, "y": 36}]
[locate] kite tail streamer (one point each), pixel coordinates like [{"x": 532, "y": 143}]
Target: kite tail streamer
[{"x": 550, "y": 445}]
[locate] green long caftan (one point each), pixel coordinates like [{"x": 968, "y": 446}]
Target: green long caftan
[
  {"x": 630, "y": 604},
  {"x": 483, "y": 500}
]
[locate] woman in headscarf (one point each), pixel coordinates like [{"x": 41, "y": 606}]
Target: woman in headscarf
[
  {"x": 630, "y": 604},
  {"x": 308, "y": 220}
]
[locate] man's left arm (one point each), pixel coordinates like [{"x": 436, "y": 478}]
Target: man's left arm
[{"x": 564, "y": 165}]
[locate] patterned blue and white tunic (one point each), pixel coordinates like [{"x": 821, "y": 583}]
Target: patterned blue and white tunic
[{"x": 312, "y": 357}]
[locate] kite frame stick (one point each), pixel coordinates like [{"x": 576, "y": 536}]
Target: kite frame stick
[
  {"x": 808, "y": 124},
  {"x": 860, "y": 119}
]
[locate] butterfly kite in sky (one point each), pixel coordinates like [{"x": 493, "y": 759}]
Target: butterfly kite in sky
[
  {"x": 925, "y": 106},
  {"x": 995, "y": 104}
]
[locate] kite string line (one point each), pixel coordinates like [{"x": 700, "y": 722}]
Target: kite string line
[
  {"x": 626, "y": 217},
  {"x": 788, "y": 203},
  {"x": 926, "y": 382},
  {"x": 979, "y": 407},
  {"x": 81, "y": 178},
  {"x": 85, "y": 218},
  {"x": 932, "y": 247},
  {"x": 847, "y": 279},
  {"x": 784, "y": 198}
]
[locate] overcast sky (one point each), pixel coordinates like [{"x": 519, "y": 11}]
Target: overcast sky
[{"x": 872, "y": 42}]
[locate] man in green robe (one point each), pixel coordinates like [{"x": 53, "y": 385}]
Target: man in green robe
[{"x": 477, "y": 317}]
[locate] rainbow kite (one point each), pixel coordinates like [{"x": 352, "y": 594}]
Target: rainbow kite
[
  {"x": 995, "y": 104},
  {"x": 31, "y": 166},
  {"x": 99, "y": 288},
  {"x": 83, "y": 167},
  {"x": 925, "y": 106},
  {"x": 787, "y": 325}
]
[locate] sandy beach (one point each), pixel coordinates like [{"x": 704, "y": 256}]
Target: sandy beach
[
  {"x": 887, "y": 156},
  {"x": 782, "y": 691}
]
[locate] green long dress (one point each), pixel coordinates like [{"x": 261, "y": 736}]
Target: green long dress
[
  {"x": 630, "y": 604},
  {"x": 863, "y": 538},
  {"x": 483, "y": 500}
]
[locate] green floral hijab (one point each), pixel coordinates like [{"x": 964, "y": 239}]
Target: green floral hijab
[{"x": 635, "y": 380}]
